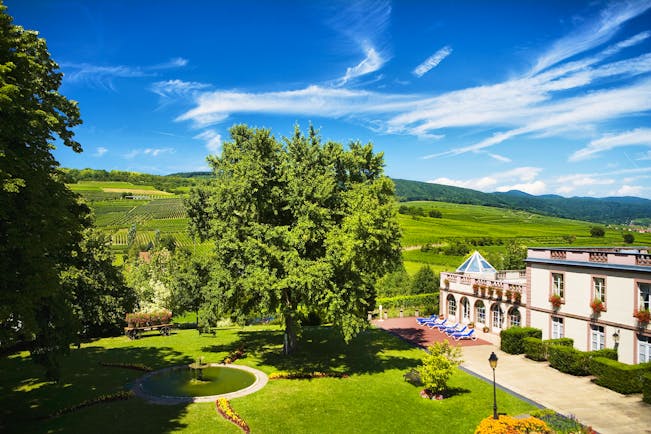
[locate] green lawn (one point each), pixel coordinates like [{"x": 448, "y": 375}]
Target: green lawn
[{"x": 373, "y": 398}]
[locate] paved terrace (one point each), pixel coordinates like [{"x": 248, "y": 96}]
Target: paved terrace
[{"x": 606, "y": 411}]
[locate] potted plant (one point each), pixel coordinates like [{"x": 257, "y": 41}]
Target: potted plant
[
  {"x": 482, "y": 288},
  {"x": 499, "y": 292},
  {"x": 471, "y": 325},
  {"x": 490, "y": 291},
  {"x": 643, "y": 315},
  {"x": 509, "y": 294},
  {"x": 597, "y": 306},
  {"x": 446, "y": 282},
  {"x": 517, "y": 296},
  {"x": 475, "y": 288},
  {"x": 485, "y": 329},
  {"x": 555, "y": 300}
]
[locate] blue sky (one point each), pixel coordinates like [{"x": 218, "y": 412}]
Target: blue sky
[{"x": 548, "y": 97}]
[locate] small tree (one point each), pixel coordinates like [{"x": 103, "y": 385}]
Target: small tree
[
  {"x": 628, "y": 238},
  {"x": 439, "y": 365},
  {"x": 424, "y": 281},
  {"x": 597, "y": 231}
]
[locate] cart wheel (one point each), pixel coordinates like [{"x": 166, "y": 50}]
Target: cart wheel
[
  {"x": 137, "y": 334},
  {"x": 131, "y": 334},
  {"x": 166, "y": 331}
]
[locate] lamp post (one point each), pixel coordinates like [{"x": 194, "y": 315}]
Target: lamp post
[
  {"x": 493, "y": 362},
  {"x": 616, "y": 339}
]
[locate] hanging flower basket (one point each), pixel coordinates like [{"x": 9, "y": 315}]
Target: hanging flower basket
[
  {"x": 643, "y": 316},
  {"x": 597, "y": 306},
  {"x": 556, "y": 301}
]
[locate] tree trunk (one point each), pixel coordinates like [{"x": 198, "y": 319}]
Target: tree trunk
[{"x": 289, "y": 339}]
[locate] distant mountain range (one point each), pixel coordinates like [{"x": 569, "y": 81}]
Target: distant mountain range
[{"x": 600, "y": 210}]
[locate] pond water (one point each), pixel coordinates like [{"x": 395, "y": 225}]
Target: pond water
[{"x": 213, "y": 380}]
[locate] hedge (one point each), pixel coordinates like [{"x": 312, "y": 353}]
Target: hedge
[
  {"x": 646, "y": 388},
  {"x": 618, "y": 376},
  {"x": 512, "y": 338},
  {"x": 417, "y": 300},
  {"x": 536, "y": 349},
  {"x": 573, "y": 361}
]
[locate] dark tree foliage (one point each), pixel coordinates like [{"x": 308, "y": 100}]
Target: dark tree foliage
[
  {"x": 41, "y": 221},
  {"x": 298, "y": 226},
  {"x": 424, "y": 281},
  {"x": 188, "y": 278},
  {"x": 629, "y": 238},
  {"x": 597, "y": 231}
]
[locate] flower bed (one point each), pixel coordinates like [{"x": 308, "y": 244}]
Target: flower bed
[
  {"x": 144, "y": 319},
  {"x": 284, "y": 375},
  {"x": 510, "y": 425},
  {"x": 233, "y": 356},
  {"x": 134, "y": 366},
  {"x": 226, "y": 411}
]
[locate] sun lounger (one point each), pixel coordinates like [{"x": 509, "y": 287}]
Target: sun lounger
[
  {"x": 442, "y": 327},
  {"x": 450, "y": 330},
  {"x": 431, "y": 318},
  {"x": 469, "y": 334}
]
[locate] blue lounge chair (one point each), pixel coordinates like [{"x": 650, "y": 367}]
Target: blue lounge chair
[
  {"x": 431, "y": 318},
  {"x": 448, "y": 331},
  {"x": 442, "y": 327},
  {"x": 437, "y": 324},
  {"x": 469, "y": 334}
]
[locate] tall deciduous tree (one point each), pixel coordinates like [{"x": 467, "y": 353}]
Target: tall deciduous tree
[
  {"x": 297, "y": 226},
  {"x": 40, "y": 219}
]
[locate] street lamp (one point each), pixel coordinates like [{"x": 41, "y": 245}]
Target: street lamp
[
  {"x": 493, "y": 362},
  {"x": 616, "y": 339}
]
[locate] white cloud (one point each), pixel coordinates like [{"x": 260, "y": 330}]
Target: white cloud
[
  {"x": 213, "y": 140},
  {"x": 536, "y": 187},
  {"x": 177, "y": 88},
  {"x": 371, "y": 63},
  {"x": 489, "y": 183},
  {"x": 636, "y": 137},
  {"x": 645, "y": 156},
  {"x": 432, "y": 61},
  {"x": 629, "y": 190},
  {"x": 100, "y": 151},
  {"x": 148, "y": 152},
  {"x": 103, "y": 75}
]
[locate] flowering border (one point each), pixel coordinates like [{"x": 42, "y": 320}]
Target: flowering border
[
  {"x": 284, "y": 375},
  {"x": 226, "y": 411},
  {"x": 119, "y": 396},
  {"x": 233, "y": 356},
  {"x": 134, "y": 366}
]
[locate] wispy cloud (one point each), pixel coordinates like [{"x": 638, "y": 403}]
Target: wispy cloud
[
  {"x": 520, "y": 178},
  {"x": 432, "y": 61},
  {"x": 371, "y": 63},
  {"x": 177, "y": 88},
  {"x": 102, "y": 76},
  {"x": 636, "y": 137},
  {"x": 100, "y": 151},
  {"x": 148, "y": 152},
  {"x": 213, "y": 140}
]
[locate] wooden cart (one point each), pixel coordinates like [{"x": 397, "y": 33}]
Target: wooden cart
[{"x": 136, "y": 332}]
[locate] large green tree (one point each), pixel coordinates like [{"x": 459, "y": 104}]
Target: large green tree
[
  {"x": 298, "y": 226},
  {"x": 41, "y": 221}
]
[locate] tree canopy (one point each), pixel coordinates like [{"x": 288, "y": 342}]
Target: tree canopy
[{"x": 298, "y": 226}]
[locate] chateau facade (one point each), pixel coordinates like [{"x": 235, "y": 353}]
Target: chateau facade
[{"x": 599, "y": 297}]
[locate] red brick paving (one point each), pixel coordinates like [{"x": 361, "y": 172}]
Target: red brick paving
[{"x": 410, "y": 330}]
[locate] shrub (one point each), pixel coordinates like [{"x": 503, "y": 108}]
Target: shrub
[
  {"x": 534, "y": 349},
  {"x": 646, "y": 388},
  {"x": 561, "y": 424},
  {"x": 618, "y": 376},
  {"x": 512, "y": 338},
  {"x": 510, "y": 425},
  {"x": 415, "y": 301},
  {"x": 439, "y": 365},
  {"x": 568, "y": 360}
]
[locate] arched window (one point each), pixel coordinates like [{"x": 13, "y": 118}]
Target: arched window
[
  {"x": 497, "y": 317},
  {"x": 515, "y": 319},
  {"x": 452, "y": 306},
  {"x": 465, "y": 310},
  {"x": 480, "y": 312}
]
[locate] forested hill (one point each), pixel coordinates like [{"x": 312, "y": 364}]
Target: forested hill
[{"x": 603, "y": 210}]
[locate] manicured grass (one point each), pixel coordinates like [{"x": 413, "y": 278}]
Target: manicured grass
[{"x": 374, "y": 395}]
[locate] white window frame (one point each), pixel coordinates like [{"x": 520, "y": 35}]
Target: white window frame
[
  {"x": 644, "y": 292},
  {"x": 643, "y": 349},
  {"x": 512, "y": 315},
  {"x": 558, "y": 284},
  {"x": 558, "y": 327},
  {"x": 452, "y": 307},
  {"x": 597, "y": 338},
  {"x": 465, "y": 310},
  {"x": 599, "y": 285},
  {"x": 481, "y": 313},
  {"x": 497, "y": 317}
]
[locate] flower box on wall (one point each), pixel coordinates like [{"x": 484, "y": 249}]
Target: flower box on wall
[
  {"x": 556, "y": 301},
  {"x": 643, "y": 316},
  {"x": 597, "y": 306}
]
